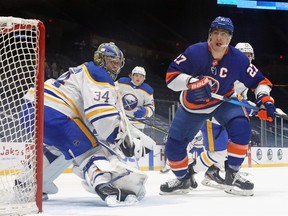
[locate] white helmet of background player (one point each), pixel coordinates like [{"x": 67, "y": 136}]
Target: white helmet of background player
[
  {"x": 109, "y": 57},
  {"x": 247, "y": 49},
  {"x": 138, "y": 80}
]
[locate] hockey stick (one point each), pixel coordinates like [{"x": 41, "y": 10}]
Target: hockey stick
[
  {"x": 146, "y": 123},
  {"x": 125, "y": 119},
  {"x": 279, "y": 113},
  {"x": 233, "y": 101},
  {"x": 255, "y": 161},
  {"x": 123, "y": 115}
]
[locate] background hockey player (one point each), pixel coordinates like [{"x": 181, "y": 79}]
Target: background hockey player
[
  {"x": 137, "y": 96},
  {"x": 203, "y": 68},
  {"x": 79, "y": 103}
]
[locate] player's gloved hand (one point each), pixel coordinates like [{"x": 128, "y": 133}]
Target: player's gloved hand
[
  {"x": 134, "y": 148},
  {"x": 140, "y": 112},
  {"x": 251, "y": 112},
  {"x": 123, "y": 142},
  {"x": 200, "y": 90},
  {"x": 131, "y": 146},
  {"x": 126, "y": 146},
  {"x": 267, "y": 108}
]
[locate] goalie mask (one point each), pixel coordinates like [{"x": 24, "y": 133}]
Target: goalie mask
[
  {"x": 109, "y": 57},
  {"x": 247, "y": 49}
]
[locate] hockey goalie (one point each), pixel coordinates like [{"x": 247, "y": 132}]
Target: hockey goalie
[{"x": 79, "y": 104}]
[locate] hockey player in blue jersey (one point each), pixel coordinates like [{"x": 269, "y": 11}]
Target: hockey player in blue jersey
[
  {"x": 137, "y": 96},
  {"x": 215, "y": 137},
  {"x": 203, "y": 68},
  {"x": 79, "y": 105}
]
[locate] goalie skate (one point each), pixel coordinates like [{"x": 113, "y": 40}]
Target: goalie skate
[
  {"x": 115, "y": 196},
  {"x": 237, "y": 185},
  {"x": 113, "y": 201},
  {"x": 213, "y": 179},
  {"x": 45, "y": 197}
]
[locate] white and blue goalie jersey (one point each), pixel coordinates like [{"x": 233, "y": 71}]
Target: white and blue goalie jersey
[{"x": 86, "y": 92}]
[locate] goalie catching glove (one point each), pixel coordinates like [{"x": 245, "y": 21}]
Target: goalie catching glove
[
  {"x": 139, "y": 144},
  {"x": 201, "y": 90},
  {"x": 267, "y": 109}
]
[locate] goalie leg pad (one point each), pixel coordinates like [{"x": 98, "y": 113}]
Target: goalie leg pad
[
  {"x": 103, "y": 173},
  {"x": 136, "y": 179},
  {"x": 54, "y": 164}
]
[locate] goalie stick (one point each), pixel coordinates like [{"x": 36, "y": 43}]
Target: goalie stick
[
  {"x": 123, "y": 115},
  {"x": 125, "y": 120}
]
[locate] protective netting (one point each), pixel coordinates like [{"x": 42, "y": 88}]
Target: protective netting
[{"x": 19, "y": 65}]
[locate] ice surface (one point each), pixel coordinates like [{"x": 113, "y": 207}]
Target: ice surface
[{"x": 270, "y": 198}]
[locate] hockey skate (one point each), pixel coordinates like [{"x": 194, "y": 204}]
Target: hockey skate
[
  {"x": 213, "y": 179},
  {"x": 193, "y": 182},
  {"x": 45, "y": 197},
  {"x": 115, "y": 196},
  {"x": 49, "y": 188},
  {"x": 175, "y": 186},
  {"x": 236, "y": 184}
]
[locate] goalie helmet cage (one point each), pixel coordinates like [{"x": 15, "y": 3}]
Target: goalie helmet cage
[{"x": 22, "y": 56}]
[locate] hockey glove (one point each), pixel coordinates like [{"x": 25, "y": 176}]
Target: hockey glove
[
  {"x": 123, "y": 142},
  {"x": 133, "y": 149},
  {"x": 201, "y": 90},
  {"x": 267, "y": 109},
  {"x": 126, "y": 147},
  {"x": 140, "y": 112}
]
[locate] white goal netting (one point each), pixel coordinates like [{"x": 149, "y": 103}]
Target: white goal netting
[{"x": 21, "y": 65}]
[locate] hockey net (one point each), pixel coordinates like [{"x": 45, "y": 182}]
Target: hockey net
[{"x": 22, "y": 53}]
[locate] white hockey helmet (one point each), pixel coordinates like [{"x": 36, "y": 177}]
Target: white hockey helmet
[
  {"x": 245, "y": 48},
  {"x": 139, "y": 70}
]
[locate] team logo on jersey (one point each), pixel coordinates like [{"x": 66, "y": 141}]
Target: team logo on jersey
[
  {"x": 270, "y": 154},
  {"x": 76, "y": 142},
  {"x": 280, "y": 154},
  {"x": 130, "y": 101},
  {"x": 259, "y": 154},
  {"x": 214, "y": 84}
]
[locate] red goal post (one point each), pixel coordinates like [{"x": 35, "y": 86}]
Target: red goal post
[{"x": 22, "y": 56}]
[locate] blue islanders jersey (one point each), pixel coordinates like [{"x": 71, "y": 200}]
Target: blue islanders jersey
[{"x": 197, "y": 60}]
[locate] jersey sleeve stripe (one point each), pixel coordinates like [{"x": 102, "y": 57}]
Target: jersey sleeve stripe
[{"x": 170, "y": 76}]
